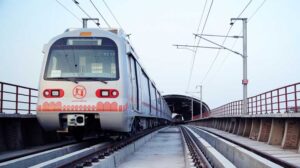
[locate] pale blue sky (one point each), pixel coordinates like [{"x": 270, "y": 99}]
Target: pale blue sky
[{"x": 273, "y": 35}]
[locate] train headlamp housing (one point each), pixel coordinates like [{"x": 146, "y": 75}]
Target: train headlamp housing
[
  {"x": 107, "y": 93},
  {"x": 53, "y": 93}
]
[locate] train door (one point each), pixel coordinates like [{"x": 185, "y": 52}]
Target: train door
[
  {"x": 134, "y": 84},
  {"x": 139, "y": 83}
]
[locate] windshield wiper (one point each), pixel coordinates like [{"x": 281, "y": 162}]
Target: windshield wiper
[
  {"x": 75, "y": 80},
  {"x": 71, "y": 79},
  {"x": 67, "y": 78},
  {"x": 94, "y": 79}
]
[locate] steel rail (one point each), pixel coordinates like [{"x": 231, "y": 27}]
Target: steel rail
[
  {"x": 101, "y": 153},
  {"x": 199, "y": 159},
  {"x": 27, "y": 158}
]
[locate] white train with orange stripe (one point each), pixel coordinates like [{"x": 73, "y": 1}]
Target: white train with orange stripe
[{"x": 91, "y": 78}]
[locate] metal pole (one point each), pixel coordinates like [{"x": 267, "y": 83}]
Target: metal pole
[
  {"x": 84, "y": 22},
  {"x": 244, "y": 56},
  {"x": 245, "y": 80},
  {"x": 1, "y": 97}
]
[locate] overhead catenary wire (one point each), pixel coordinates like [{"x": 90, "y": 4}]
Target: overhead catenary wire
[
  {"x": 68, "y": 10},
  {"x": 235, "y": 41},
  {"x": 77, "y": 4},
  {"x": 100, "y": 14},
  {"x": 223, "y": 42},
  {"x": 202, "y": 14},
  {"x": 257, "y": 9},
  {"x": 110, "y": 11},
  {"x": 196, "y": 49}
]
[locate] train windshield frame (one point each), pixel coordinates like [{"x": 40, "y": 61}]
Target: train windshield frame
[{"x": 82, "y": 59}]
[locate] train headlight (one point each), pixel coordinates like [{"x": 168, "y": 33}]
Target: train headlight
[
  {"x": 114, "y": 93},
  {"x": 46, "y": 93},
  {"x": 105, "y": 93},
  {"x": 55, "y": 93}
]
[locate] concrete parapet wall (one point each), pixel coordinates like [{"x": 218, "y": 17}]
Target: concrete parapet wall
[
  {"x": 241, "y": 126},
  {"x": 236, "y": 126},
  {"x": 254, "y": 129},
  {"x": 237, "y": 155},
  {"x": 277, "y": 131},
  {"x": 291, "y": 134},
  {"x": 247, "y": 129},
  {"x": 284, "y": 131},
  {"x": 20, "y": 132},
  {"x": 264, "y": 130}
]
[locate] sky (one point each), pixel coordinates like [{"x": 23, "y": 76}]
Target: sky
[{"x": 273, "y": 37}]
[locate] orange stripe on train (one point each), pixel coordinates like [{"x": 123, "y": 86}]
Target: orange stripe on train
[{"x": 100, "y": 107}]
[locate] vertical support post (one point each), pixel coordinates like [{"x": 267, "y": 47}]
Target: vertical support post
[
  {"x": 244, "y": 56},
  {"x": 1, "y": 101},
  {"x": 84, "y": 22},
  {"x": 271, "y": 102},
  {"x": 266, "y": 104},
  {"x": 295, "y": 93},
  {"x": 252, "y": 111},
  {"x": 29, "y": 102},
  {"x": 17, "y": 98},
  {"x": 278, "y": 101},
  {"x": 245, "y": 80},
  {"x": 286, "y": 100},
  {"x": 256, "y": 108},
  {"x": 260, "y": 103}
]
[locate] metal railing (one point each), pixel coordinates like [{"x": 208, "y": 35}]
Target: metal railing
[
  {"x": 16, "y": 99},
  {"x": 281, "y": 100}
]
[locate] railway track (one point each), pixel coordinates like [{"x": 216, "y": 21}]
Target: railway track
[
  {"x": 198, "y": 157},
  {"x": 30, "y": 157},
  {"x": 211, "y": 150},
  {"x": 260, "y": 153},
  {"x": 73, "y": 155}
]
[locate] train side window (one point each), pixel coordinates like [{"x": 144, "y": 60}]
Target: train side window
[
  {"x": 150, "y": 96},
  {"x": 145, "y": 91},
  {"x": 139, "y": 84},
  {"x": 153, "y": 97},
  {"x": 159, "y": 102}
]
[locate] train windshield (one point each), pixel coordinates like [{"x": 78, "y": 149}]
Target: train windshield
[{"x": 83, "y": 59}]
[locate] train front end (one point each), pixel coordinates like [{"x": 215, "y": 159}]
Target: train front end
[{"x": 81, "y": 85}]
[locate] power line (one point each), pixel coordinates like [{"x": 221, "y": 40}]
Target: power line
[
  {"x": 244, "y": 8},
  {"x": 257, "y": 9},
  {"x": 100, "y": 14},
  {"x": 77, "y": 3},
  {"x": 68, "y": 10},
  {"x": 194, "y": 49},
  {"x": 235, "y": 41},
  {"x": 223, "y": 42},
  {"x": 201, "y": 18},
  {"x": 195, "y": 52},
  {"x": 110, "y": 11}
]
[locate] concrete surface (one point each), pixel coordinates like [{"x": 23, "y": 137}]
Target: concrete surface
[
  {"x": 165, "y": 150},
  {"x": 288, "y": 155},
  {"x": 239, "y": 156},
  {"x": 215, "y": 158}
]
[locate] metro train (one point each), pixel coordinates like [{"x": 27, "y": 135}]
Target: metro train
[{"x": 91, "y": 78}]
